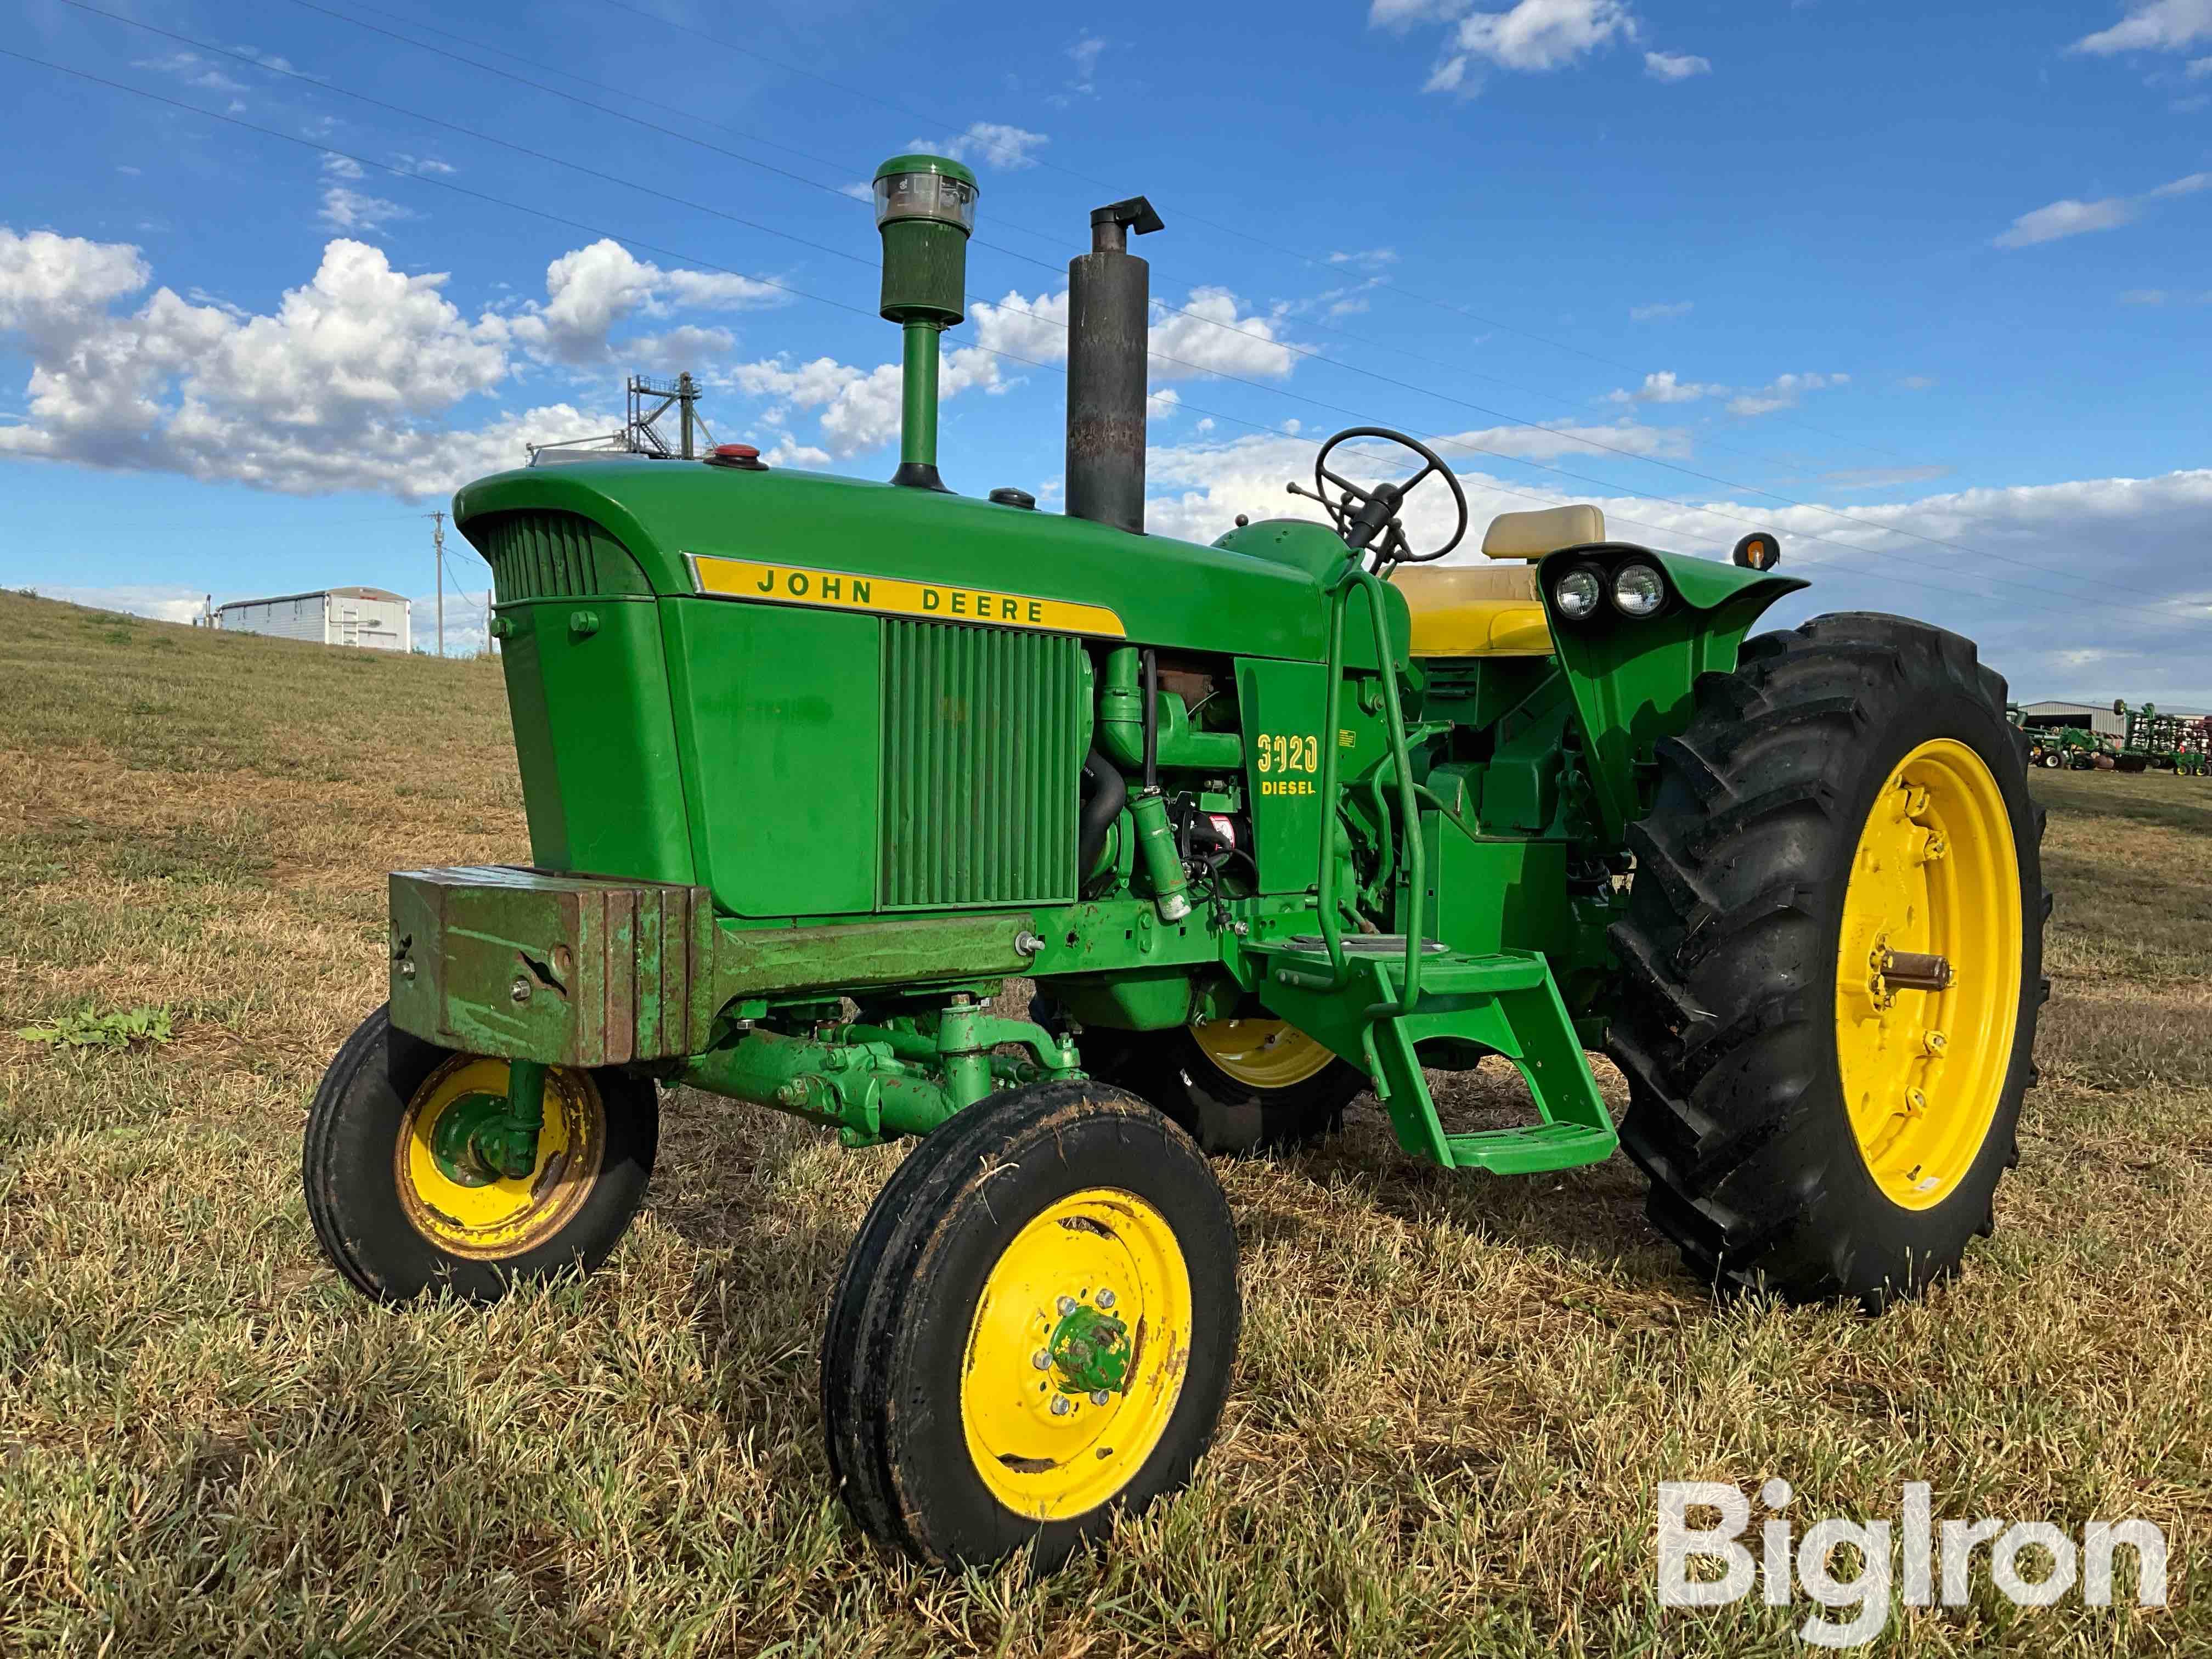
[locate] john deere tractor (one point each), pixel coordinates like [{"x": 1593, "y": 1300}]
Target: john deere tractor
[{"x": 814, "y": 765}]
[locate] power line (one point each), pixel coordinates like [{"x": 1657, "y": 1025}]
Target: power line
[{"x": 635, "y": 242}]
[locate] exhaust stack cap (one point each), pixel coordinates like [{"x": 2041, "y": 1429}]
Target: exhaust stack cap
[
  {"x": 1109, "y": 317},
  {"x": 1109, "y": 224}
]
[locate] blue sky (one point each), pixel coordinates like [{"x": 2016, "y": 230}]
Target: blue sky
[{"x": 1926, "y": 292}]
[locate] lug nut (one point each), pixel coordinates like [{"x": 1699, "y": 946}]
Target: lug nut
[
  {"x": 1916, "y": 1102},
  {"x": 520, "y": 989},
  {"x": 1041, "y": 1360},
  {"x": 1100, "y": 1397},
  {"x": 1061, "y": 1405},
  {"x": 1105, "y": 1298},
  {"x": 1935, "y": 1042},
  {"x": 1066, "y": 1305}
]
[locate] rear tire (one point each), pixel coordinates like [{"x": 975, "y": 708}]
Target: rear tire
[
  {"x": 1000, "y": 1234},
  {"x": 1229, "y": 1112},
  {"x": 1771, "y": 840}
]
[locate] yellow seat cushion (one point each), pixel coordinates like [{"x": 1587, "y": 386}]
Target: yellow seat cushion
[{"x": 1474, "y": 610}]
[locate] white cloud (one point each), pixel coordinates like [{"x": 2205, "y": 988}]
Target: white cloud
[
  {"x": 591, "y": 291},
  {"x": 2072, "y": 218},
  {"x": 2068, "y": 218},
  {"x": 2144, "y": 533},
  {"x": 2143, "y": 296},
  {"x": 192, "y": 68},
  {"x": 2199, "y": 67},
  {"x": 859, "y": 407},
  {"x": 345, "y": 208},
  {"x": 1210, "y": 334},
  {"x": 1882, "y": 477},
  {"x": 2153, "y": 25},
  {"x": 1917, "y": 383},
  {"x": 157, "y": 601},
  {"x": 1675, "y": 65},
  {"x": 353, "y": 382},
  {"x": 989, "y": 143},
  {"x": 1535, "y": 36},
  {"x": 1662, "y": 314},
  {"x": 1367, "y": 258},
  {"x": 1665, "y": 387},
  {"x": 1084, "y": 55},
  {"x": 1782, "y": 393}
]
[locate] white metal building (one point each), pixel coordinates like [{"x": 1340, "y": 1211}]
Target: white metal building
[
  {"x": 2093, "y": 716},
  {"x": 368, "y": 616}
]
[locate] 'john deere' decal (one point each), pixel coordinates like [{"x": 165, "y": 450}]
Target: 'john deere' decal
[{"x": 843, "y": 590}]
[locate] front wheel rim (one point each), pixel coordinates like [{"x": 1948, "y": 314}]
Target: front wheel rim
[
  {"x": 1076, "y": 1355},
  {"x": 1935, "y": 872},
  {"x": 1261, "y": 1054},
  {"x": 496, "y": 1218}
]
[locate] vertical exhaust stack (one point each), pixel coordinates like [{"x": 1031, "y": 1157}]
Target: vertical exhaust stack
[
  {"x": 1108, "y": 300},
  {"x": 926, "y": 211}
]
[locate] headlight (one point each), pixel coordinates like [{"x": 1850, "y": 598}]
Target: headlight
[
  {"x": 1638, "y": 590},
  {"x": 1578, "y": 594}
]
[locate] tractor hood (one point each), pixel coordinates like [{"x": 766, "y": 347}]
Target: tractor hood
[{"x": 802, "y": 537}]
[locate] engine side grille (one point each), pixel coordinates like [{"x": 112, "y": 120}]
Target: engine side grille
[
  {"x": 554, "y": 555},
  {"x": 982, "y": 759}
]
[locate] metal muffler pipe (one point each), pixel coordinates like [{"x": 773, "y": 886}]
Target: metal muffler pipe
[{"x": 1108, "y": 303}]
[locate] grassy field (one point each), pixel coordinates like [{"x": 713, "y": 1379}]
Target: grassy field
[{"x": 1455, "y": 1398}]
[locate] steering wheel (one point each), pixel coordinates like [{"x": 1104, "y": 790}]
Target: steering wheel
[{"x": 1367, "y": 518}]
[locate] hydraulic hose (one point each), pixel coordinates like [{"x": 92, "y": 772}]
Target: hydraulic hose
[{"x": 1109, "y": 795}]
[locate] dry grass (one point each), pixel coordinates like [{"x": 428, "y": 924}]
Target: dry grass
[{"x": 1455, "y": 1395}]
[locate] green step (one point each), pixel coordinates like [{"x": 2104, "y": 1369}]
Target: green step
[
  {"x": 1505, "y": 1000},
  {"x": 1532, "y": 1149}
]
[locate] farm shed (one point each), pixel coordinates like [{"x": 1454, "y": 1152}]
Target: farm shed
[
  {"x": 2095, "y": 717},
  {"x": 369, "y": 616}
]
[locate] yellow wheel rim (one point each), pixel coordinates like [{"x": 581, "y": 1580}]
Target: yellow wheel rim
[
  {"x": 1261, "y": 1054},
  {"x": 502, "y": 1217},
  {"x": 1935, "y": 872},
  {"x": 1101, "y": 1254}
]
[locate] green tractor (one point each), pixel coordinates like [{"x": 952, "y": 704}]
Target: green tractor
[{"x": 814, "y": 766}]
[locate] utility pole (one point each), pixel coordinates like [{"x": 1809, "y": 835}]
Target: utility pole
[{"x": 438, "y": 550}]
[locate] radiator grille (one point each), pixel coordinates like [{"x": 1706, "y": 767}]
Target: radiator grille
[
  {"x": 554, "y": 555},
  {"x": 982, "y": 730}
]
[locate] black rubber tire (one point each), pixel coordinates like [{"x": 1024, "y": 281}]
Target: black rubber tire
[
  {"x": 1726, "y": 1025},
  {"x": 1226, "y": 1118},
  {"x": 2052, "y": 759},
  {"x": 353, "y": 1193},
  {"x": 899, "y": 1322}
]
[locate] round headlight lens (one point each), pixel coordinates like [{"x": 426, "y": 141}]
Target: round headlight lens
[
  {"x": 1638, "y": 590},
  {"x": 1578, "y": 594}
]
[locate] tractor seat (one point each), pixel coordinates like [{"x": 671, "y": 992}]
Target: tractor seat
[{"x": 1494, "y": 611}]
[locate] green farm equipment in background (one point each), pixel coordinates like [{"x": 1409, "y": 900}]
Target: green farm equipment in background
[
  {"x": 2162, "y": 743},
  {"x": 2069, "y": 748},
  {"x": 814, "y": 766}
]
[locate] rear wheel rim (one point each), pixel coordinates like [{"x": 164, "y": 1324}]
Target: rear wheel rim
[
  {"x": 496, "y": 1218},
  {"x": 1261, "y": 1054},
  {"x": 1935, "y": 872},
  {"x": 1076, "y": 1356}
]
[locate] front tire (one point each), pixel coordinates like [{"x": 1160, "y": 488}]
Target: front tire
[
  {"x": 1035, "y": 1328},
  {"x": 391, "y": 1217},
  {"x": 1850, "y": 794}
]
